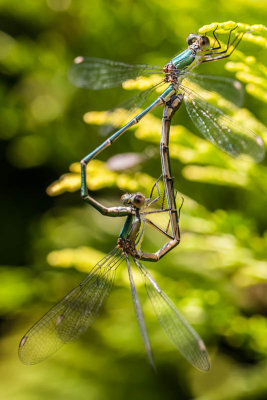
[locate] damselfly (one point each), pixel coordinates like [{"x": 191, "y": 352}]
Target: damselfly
[
  {"x": 220, "y": 129},
  {"x": 67, "y": 320}
]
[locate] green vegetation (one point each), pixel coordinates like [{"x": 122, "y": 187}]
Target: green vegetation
[{"x": 217, "y": 276}]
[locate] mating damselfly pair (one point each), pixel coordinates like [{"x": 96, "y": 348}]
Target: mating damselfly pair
[{"x": 67, "y": 320}]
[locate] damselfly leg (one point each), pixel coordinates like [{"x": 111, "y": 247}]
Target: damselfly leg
[{"x": 219, "y": 55}]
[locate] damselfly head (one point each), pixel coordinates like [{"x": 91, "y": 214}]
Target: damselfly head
[
  {"x": 198, "y": 42},
  {"x": 191, "y": 38},
  {"x": 137, "y": 199}
]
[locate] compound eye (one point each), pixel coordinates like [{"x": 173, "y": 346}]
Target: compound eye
[
  {"x": 139, "y": 200},
  {"x": 204, "y": 43},
  {"x": 125, "y": 198},
  {"x": 191, "y": 38}
]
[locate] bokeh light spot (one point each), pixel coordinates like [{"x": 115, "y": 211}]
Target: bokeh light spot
[{"x": 58, "y": 5}]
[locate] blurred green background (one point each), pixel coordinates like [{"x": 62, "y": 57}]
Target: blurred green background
[{"x": 217, "y": 276}]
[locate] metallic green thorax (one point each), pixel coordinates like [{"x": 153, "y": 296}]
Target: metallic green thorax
[
  {"x": 131, "y": 227},
  {"x": 184, "y": 59}
]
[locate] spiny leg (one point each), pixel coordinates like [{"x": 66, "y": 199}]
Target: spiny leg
[
  {"x": 179, "y": 210},
  {"x": 156, "y": 184},
  {"x": 227, "y": 46},
  {"x": 216, "y": 40},
  {"x": 179, "y": 213},
  {"x": 222, "y": 56}
]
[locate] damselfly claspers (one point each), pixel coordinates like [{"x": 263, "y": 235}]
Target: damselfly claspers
[{"x": 67, "y": 320}]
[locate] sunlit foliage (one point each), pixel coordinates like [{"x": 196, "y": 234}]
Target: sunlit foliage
[{"x": 216, "y": 276}]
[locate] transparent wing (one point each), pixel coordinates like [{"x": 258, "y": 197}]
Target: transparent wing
[
  {"x": 67, "y": 320},
  {"x": 131, "y": 105},
  {"x": 220, "y": 129},
  {"x": 125, "y": 161},
  {"x": 230, "y": 89},
  {"x": 178, "y": 330},
  {"x": 139, "y": 314},
  {"x": 96, "y": 73},
  {"x": 160, "y": 220}
]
